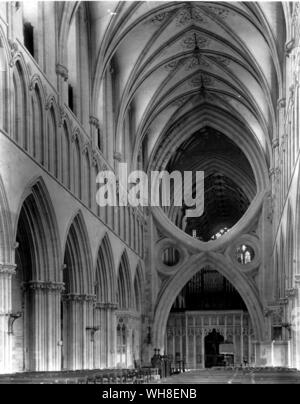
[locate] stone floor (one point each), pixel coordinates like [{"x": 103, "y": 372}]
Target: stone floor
[{"x": 236, "y": 376}]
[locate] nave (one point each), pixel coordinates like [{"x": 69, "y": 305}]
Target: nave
[{"x": 169, "y": 87}]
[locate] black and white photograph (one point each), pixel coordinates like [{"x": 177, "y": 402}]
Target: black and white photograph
[{"x": 149, "y": 195}]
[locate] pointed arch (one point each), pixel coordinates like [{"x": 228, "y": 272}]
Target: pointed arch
[
  {"x": 19, "y": 129},
  {"x": 138, "y": 285},
  {"x": 6, "y": 234},
  {"x": 247, "y": 291},
  {"x": 65, "y": 155},
  {"x": 124, "y": 292},
  {"x": 37, "y": 225},
  {"x": 38, "y": 121},
  {"x": 86, "y": 192},
  {"x": 53, "y": 147},
  {"x": 105, "y": 285},
  {"x": 76, "y": 167},
  {"x": 77, "y": 274}
]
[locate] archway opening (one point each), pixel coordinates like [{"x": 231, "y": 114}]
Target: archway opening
[
  {"x": 213, "y": 356},
  {"x": 77, "y": 343},
  {"x": 229, "y": 183},
  {"x": 207, "y": 312},
  {"x": 36, "y": 287}
]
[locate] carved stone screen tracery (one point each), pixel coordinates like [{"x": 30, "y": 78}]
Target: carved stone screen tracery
[{"x": 186, "y": 332}]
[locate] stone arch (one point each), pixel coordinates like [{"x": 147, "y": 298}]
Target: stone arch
[
  {"x": 138, "y": 286},
  {"x": 38, "y": 212},
  {"x": 37, "y": 122},
  {"x": 77, "y": 352},
  {"x": 86, "y": 177},
  {"x": 53, "y": 141},
  {"x": 105, "y": 286},
  {"x": 124, "y": 291},
  {"x": 76, "y": 165},
  {"x": 6, "y": 230},
  {"x": 78, "y": 276},
  {"x": 37, "y": 285},
  {"x": 221, "y": 121},
  {"x": 20, "y": 106},
  {"x": 66, "y": 155},
  {"x": 172, "y": 288},
  {"x": 105, "y": 291}
]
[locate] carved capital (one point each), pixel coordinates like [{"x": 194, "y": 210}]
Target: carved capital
[
  {"x": 118, "y": 156},
  {"x": 62, "y": 71},
  {"x": 94, "y": 122},
  {"x": 272, "y": 172},
  {"x": 76, "y": 297},
  {"x": 297, "y": 280},
  {"x": 289, "y": 46},
  {"x": 14, "y": 50},
  {"x": 86, "y": 148},
  {"x": 7, "y": 269},
  {"x": 46, "y": 286},
  {"x": 94, "y": 158},
  {"x": 283, "y": 301},
  {"x": 275, "y": 143},
  {"x": 281, "y": 103},
  {"x": 291, "y": 293}
]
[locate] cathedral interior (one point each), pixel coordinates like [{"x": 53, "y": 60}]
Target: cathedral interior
[{"x": 162, "y": 86}]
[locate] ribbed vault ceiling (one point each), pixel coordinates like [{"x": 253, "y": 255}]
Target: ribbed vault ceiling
[{"x": 151, "y": 46}]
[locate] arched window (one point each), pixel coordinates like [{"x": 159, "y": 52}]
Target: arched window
[
  {"x": 19, "y": 132},
  {"x": 124, "y": 294},
  {"x": 76, "y": 169},
  {"x": 65, "y": 157},
  {"x": 245, "y": 254},
  {"x": 37, "y": 126},
  {"x": 52, "y": 144},
  {"x": 86, "y": 179}
]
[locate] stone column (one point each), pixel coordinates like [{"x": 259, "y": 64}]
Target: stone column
[
  {"x": 203, "y": 348},
  {"x": 53, "y": 315},
  {"x": 111, "y": 337},
  {"x": 195, "y": 342},
  {"x": 296, "y": 321},
  {"x": 43, "y": 329},
  {"x": 242, "y": 338},
  {"x": 6, "y": 273},
  {"x": 78, "y": 329},
  {"x": 186, "y": 341},
  {"x": 91, "y": 330},
  {"x": 98, "y": 340}
]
